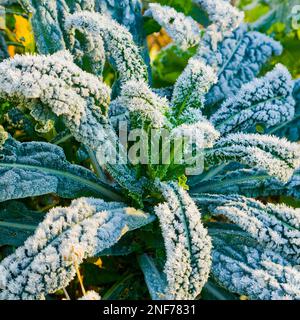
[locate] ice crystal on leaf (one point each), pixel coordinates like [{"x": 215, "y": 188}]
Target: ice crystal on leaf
[
  {"x": 217, "y": 102},
  {"x": 187, "y": 244},
  {"x": 243, "y": 266},
  {"x": 277, "y": 156},
  {"x": 90, "y": 295},
  {"x": 46, "y": 262},
  {"x": 142, "y": 103},
  {"x": 238, "y": 60},
  {"x": 185, "y": 31},
  {"x": 117, "y": 41},
  {"x": 222, "y": 14},
  {"x": 277, "y": 227},
  {"x": 191, "y": 86},
  {"x": 267, "y": 100}
]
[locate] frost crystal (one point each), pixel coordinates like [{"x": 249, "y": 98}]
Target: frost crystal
[
  {"x": 192, "y": 85},
  {"x": 277, "y": 156},
  {"x": 183, "y": 30},
  {"x": 90, "y": 295},
  {"x": 222, "y": 14},
  {"x": 237, "y": 60},
  {"x": 267, "y": 100},
  {"x": 57, "y": 83},
  {"x": 277, "y": 227},
  {"x": 117, "y": 41},
  {"x": 202, "y": 131},
  {"x": 46, "y": 261},
  {"x": 187, "y": 244},
  {"x": 142, "y": 103},
  {"x": 243, "y": 266}
]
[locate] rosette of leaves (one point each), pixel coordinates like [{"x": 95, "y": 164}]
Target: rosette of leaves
[{"x": 209, "y": 225}]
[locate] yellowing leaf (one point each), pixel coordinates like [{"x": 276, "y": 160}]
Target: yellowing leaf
[{"x": 24, "y": 33}]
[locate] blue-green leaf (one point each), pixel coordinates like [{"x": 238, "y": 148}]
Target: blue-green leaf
[{"x": 36, "y": 168}]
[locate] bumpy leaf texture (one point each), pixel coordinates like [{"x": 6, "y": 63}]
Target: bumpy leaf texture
[
  {"x": 290, "y": 128},
  {"x": 277, "y": 156},
  {"x": 47, "y": 261},
  {"x": 80, "y": 98},
  {"x": 185, "y": 31},
  {"x": 190, "y": 89},
  {"x": 238, "y": 180},
  {"x": 242, "y": 265},
  {"x": 116, "y": 40},
  {"x": 267, "y": 101},
  {"x": 187, "y": 244},
  {"x": 142, "y": 104},
  {"x": 36, "y": 168},
  {"x": 238, "y": 60},
  {"x": 223, "y": 16},
  {"x": 277, "y": 227}
]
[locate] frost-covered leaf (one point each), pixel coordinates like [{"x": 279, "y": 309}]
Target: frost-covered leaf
[
  {"x": 238, "y": 60},
  {"x": 36, "y": 168},
  {"x": 242, "y": 265},
  {"x": 267, "y": 101},
  {"x": 80, "y": 98},
  {"x": 198, "y": 130},
  {"x": 223, "y": 16},
  {"x": 184, "y": 30},
  {"x": 155, "y": 280},
  {"x": 291, "y": 128},
  {"x": 46, "y": 19},
  {"x": 17, "y": 223},
  {"x": 117, "y": 41},
  {"x": 186, "y": 241},
  {"x": 248, "y": 182},
  {"x": 191, "y": 87},
  {"x": 142, "y": 104},
  {"x": 47, "y": 261},
  {"x": 277, "y": 227},
  {"x": 129, "y": 14},
  {"x": 277, "y": 156}
]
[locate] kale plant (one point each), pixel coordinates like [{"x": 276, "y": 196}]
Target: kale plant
[{"x": 220, "y": 228}]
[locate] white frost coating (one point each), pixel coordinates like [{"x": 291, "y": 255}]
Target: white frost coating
[
  {"x": 267, "y": 100},
  {"x": 46, "y": 261},
  {"x": 202, "y": 132},
  {"x": 224, "y": 17},
  {"x": 90, "y": 295},
  {"x": 184, "y": 30},
  {"x": 187, "y": 244},
  {"x": 57, "y": 83},
  {"x": 192, "y": 85},
  {"x": 118, "y": 42},
  {"x": 139, "y": 100},
  {"x": 278, "y": 157},
  {"x": 249, "y": 269},
  {"x": 277, "y": 227}
]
